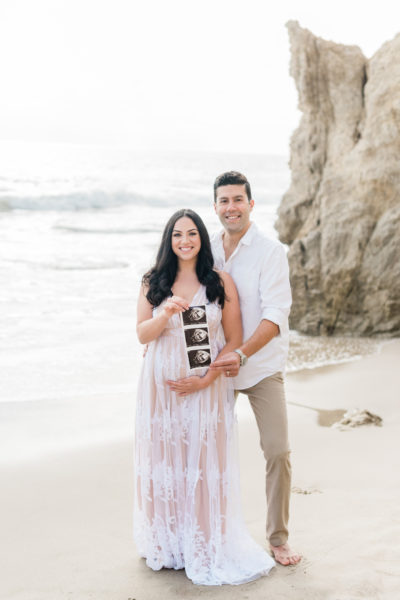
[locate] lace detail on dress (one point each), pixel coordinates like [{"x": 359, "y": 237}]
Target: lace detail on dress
[{"x": 187, "y": 505}]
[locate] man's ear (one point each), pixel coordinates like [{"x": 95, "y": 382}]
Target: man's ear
[{"x": 251, "y": 203}]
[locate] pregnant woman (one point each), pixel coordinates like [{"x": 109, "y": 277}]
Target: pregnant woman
[{"x": 187, "y": 506}]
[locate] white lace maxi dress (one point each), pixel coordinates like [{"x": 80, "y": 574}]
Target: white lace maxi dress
[{"x": 187, "y": 501}]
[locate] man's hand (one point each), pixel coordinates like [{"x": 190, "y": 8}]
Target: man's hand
[
  {"x": 188, "y": 385},
  {"x": 229, "y": 364}
]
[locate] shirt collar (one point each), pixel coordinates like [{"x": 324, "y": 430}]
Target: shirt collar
[
  {"x": 246, "y": 239},
  {"x": 250, "y": 233}
]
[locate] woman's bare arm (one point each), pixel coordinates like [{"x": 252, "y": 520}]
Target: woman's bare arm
[{"x": 148, "y": 328}]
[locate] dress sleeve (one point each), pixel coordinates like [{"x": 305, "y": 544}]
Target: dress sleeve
[{"x": 275, "y": 294}]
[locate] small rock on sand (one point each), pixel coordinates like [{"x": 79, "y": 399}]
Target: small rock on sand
[{"x": 357, "y": 417}]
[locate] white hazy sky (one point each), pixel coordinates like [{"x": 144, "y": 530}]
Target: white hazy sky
[{"x": 170, "y": 74}]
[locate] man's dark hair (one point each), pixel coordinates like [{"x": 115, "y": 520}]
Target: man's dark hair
[{"x": 231, "y": 178}]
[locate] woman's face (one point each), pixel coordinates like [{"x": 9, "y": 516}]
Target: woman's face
[{"x": 185, "y": 241}]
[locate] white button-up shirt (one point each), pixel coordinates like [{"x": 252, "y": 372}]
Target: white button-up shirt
[{"x": 260, "y": 270}]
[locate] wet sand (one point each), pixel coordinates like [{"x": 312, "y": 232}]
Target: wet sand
[{"x": 66, "y": 520}]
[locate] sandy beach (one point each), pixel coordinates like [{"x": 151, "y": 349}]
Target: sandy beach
[{"x": 67, "y": 519}]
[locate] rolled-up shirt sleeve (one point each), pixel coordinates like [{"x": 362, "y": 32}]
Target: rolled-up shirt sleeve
[{"x": 274, "y": 287}]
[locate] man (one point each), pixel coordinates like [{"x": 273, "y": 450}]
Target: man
[{"x": 260, "y": 271}]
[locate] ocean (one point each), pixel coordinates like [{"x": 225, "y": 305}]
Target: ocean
[{"x": 79, "y": 225}]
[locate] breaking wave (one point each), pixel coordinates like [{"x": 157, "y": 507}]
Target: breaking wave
[{"x": 91, "y": 200}]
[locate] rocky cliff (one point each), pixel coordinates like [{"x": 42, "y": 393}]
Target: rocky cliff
[{"x": 341, "y": 215}]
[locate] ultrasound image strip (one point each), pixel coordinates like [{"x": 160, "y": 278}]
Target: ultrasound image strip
[{"x": 197, "y": 339}]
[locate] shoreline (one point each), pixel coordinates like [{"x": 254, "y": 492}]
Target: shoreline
[{"x": 32, "y": 429}]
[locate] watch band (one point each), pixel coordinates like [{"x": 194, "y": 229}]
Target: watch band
[{"x": 243, "y": 357}]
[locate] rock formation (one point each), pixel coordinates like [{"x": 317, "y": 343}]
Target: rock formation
[{"x": 341, "y": 215}]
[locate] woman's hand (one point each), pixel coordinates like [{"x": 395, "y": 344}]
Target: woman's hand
[
  {"x": 188, "y": 385},
  {"x": 174, "y": 305}
]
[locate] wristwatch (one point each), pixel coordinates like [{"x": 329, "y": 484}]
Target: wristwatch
[{"x": 243, "y": 357}]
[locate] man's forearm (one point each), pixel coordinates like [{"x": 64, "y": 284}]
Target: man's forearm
[
  {"x": 264, "y": 333},
  {"x": 230, "y": 362}
]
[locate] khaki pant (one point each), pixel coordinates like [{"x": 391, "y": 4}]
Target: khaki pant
[{"x": 267, "y": 399}]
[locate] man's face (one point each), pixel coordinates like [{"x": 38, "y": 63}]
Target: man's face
[{"x": 233, "y": 207}]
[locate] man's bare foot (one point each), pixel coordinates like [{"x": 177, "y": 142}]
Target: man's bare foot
[{"x": 285, "y": 555}]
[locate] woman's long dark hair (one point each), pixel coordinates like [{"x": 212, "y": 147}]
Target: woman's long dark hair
[{"x": 160, "y": 278}]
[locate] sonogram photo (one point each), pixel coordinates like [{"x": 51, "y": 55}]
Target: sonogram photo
[
  {"x": 197, "y": 336},
  {"x": 199, "y": 358},
  {"x": 195, "y": 315}
]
